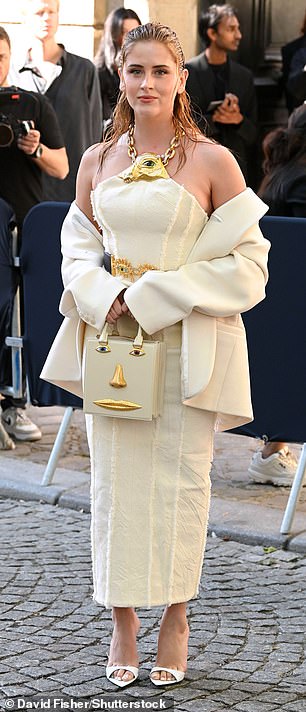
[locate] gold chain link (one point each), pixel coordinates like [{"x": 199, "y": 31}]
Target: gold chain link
[{"x": 164, "y": 157}]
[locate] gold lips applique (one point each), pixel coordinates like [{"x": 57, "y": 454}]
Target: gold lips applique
[
  {"x": 149, "y": 165},
  {"x": 117, "y": 405}
]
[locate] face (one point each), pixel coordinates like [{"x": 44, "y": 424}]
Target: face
[
  {"x": 227, "y": 36},
  {"x": 5, "y": 56},
  {"x": 42, "y": 18},
  {"x": 151, "y": 79},
  {"x": 127, "y": 25}
]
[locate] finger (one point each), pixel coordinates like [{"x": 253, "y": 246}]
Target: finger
[
  {"x": 113, "y": 314},
  {"x": 110, "y": 319},
  {"x": 117, "y": 306}
]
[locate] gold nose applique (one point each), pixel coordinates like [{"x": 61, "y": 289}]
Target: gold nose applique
[{"x": 118, "y": 380}]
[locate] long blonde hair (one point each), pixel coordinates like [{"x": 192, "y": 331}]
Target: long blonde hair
[{"x": 124, "y": 115}]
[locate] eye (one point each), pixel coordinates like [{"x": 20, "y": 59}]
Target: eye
[
  {"x": 134, "y": 71},
  {"x": 160, "y": 72}
]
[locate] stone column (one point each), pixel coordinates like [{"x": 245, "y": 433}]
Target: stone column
[{"x": 182, "y": 16}]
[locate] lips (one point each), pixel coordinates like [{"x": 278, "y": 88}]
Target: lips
[{"x": 112, "y": 404}]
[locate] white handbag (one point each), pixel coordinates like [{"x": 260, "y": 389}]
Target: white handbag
[{"x": 124, "y": 378}]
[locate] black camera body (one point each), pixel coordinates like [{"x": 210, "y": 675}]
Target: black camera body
[{"x": 11, "y": 127}]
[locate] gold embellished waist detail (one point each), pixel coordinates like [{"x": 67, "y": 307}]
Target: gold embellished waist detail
[{"x": 121, "y": 267}]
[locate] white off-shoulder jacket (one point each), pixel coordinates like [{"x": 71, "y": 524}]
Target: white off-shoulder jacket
[{"x": 225, "y": 274}]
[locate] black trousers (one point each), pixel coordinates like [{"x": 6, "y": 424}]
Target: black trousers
[{"x": 9, "y": 282}]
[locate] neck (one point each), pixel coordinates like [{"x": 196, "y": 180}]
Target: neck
[
  {"x": 215, "y": 55},
  {"x": 48, "y": 50},
  {"x": 153, "y": 136}
]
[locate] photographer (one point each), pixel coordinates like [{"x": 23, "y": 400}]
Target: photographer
[{"x": 30, "y": 144}]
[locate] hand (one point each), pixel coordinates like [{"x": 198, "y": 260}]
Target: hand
[
  {"x": 29, "y": 143},
  {"x": 229, "y": 111},
  {"x": 118, "y": 308}
]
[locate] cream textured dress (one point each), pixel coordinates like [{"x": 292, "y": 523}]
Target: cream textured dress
[{"x": 150, "y": 480}]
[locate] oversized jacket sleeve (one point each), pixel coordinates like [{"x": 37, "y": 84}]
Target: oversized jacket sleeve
[
  {"x": 225, "y": 275},
  {"x": 89, "y": 290}
]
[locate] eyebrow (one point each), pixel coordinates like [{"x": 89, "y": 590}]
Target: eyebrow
[{"x": 155, "y": 66}]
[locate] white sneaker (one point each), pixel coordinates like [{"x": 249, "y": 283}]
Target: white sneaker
[
  {"x": 16, "y": 423},
  {"x": 277, "y": 469}
]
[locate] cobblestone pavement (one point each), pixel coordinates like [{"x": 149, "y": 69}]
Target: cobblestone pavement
[{"x": 247, "y": 644}]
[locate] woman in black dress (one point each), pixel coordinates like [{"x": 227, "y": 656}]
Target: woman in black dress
[{"x": 117, "y": 24}]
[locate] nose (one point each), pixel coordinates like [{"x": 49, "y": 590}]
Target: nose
[
  {"x": 238, "y": 35},
  {"x": 147, "y": 80}
]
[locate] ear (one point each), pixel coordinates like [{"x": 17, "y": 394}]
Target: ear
[
  {"x": 182, "y": 81},
  {"x": 122, "y": 84},
  {"x": 211, "y": 33}
]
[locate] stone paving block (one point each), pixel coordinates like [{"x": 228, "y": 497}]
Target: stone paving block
[
  {"x": 81, "y": 675},
  {"x": 10, "y": 678},
  {"x": 37, "y": 671},
  {"x": 254, "y": 688},
  {"x": 252, "y": 706},
  {"x": 231, "y": 675},
  {"x": 231, "y": 697},
  {"x": 23, "y": 691},
  {"x": 202, "y": 706},
  {"x": 277, "y": 697},
  {"x": 92, "y": 688},
  {"x": 43, "y": 685}
]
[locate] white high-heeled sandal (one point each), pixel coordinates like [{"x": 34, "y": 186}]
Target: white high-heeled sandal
[
  {"x": 110, "y": 669},
  {"x": 177, "y": 674}
]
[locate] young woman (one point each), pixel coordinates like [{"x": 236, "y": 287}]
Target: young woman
[
  {"x": 117, "y": 24},
  {"x": 190, "y": 230}
]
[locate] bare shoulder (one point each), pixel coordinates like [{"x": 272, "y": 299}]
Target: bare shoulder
[
  {"x": 221, "y": 168},
  {"x": 91, "y": 157},
  {"x": 214, "y": 154},
  {"x": 85, "y": 178}
]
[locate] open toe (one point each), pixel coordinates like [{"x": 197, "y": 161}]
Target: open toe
[
  {"x": 177, "y": 676},
  {"x": 110, "y": 669}
]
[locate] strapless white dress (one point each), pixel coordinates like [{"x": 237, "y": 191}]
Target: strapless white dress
[{"x": 150, "y": 487}]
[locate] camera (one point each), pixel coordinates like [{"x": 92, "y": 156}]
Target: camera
[{"x": 11, "y": 129}]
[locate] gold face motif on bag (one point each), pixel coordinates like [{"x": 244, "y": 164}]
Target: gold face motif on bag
[
  {"x": 118, "y": 381},
  {"x": 114, "y": 363}
]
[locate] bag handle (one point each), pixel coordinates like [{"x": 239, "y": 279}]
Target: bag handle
[{"x": 105, "y": 333}]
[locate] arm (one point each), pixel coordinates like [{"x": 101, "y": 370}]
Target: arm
[
  {"x": 53, "y": 161},
  {"x": 89, "y": 291}
]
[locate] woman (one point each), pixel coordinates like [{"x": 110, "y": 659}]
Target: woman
[
  {"x": 150, "y": 480},
  {"x": 117, "y": 24},
  {"x": 283, "y": 188}
]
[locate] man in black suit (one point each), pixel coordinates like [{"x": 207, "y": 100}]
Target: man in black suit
[{"x": 214, "y": 77}]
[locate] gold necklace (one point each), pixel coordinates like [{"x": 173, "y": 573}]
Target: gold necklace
[{"x": 164, "y": 157}]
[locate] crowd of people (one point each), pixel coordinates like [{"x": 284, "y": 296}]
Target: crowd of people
[{"x": 80, "y": 124}]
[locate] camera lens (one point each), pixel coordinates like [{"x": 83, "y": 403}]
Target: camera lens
[{"x": 6, "y": 135}]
